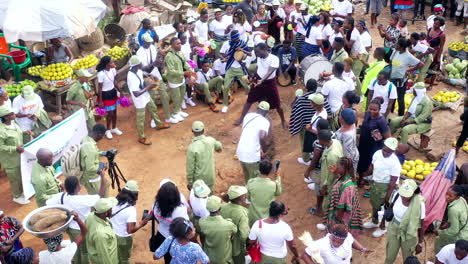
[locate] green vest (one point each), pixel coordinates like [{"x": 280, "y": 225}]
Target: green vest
[
  {"x": 101, "y": 241},
  {"x": 217, "y": 233},
  {"x": 200, "y": 160},
  {"x": 239, "y": 216},
  {"x": 44, "y": 182},
  {"x": 10, "y": 138}
]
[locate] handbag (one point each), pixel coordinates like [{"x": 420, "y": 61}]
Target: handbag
[
  {"x": 254, "y": 250},
  {"x": 388, "y": 212}
]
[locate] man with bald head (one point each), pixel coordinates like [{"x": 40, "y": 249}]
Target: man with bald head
[{"x": 43, "y": 177}]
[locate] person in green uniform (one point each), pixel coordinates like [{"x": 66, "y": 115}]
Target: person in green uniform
[
  {"x": 89, "y": 159},
  {"x": 80, "y": 96},
  {"x": 11, "y": 147},
  {"x": 372, "y": 71},
  {"x": 418, "y": 118},
  {"x": 43, "y": 177},
  {"x": 208, "y": 83},
  {"x": 239, "y": 215},
  {"x": 217, "y": 233},
  {"x": 176, "y": 68},
  {"x": 330, "y": 156},
  {"x": 339, "y": 53},
  {"x": 101, "y": 240},
  {"x": 262, "y": 191},
  {"x": 455, "y": 227},
  {"x": 200, "y": 157}
]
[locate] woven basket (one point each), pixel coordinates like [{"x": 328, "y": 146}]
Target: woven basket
[
  {"x": 120, "y": 63},
  {"x": 114, "y": 35},
  {"x": 91, "y": 42}
]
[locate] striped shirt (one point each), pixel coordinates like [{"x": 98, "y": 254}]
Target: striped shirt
[{"x": 302, "y": 113}]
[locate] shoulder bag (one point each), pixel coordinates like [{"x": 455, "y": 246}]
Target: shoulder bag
[{"x": 388, "y": 212}]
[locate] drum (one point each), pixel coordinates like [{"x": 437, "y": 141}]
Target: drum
[
  {"x": 311, "y": 66},
  {"x": 152, "y": 81},
  {"x": 239, "y": 56},
  {"x": 284, "y": 79}
]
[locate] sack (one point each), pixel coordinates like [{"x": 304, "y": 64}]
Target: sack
[
  {"x": 254, "y": 251},
  {"x": 388, "y": 212},
  {"x": 71, "y": 163}
]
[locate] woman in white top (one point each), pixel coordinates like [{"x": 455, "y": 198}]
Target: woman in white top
[
  {"x": 327, "y": 31},
  {"x": 240, "y": 23},
  {"x": 423, "y": 52},
  {"x": 108, "y": 93},
  {"x": 313, "y": 40},
  {"x": 316, "y": 101},
  {"x": 167, "y": 207},
  {"x": 366, "y": 38},
  {"x": 274, "y": 236},
  {"x": 4, "y": 98},
  {"x": 335, "y": 248},
  {"x": 218, "y": 30},
  {"x": 124, "y": 220}
]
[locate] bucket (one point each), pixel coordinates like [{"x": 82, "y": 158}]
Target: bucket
[
  {"x": 3, "y": 45},
  {"x": 19, "y": 56}
]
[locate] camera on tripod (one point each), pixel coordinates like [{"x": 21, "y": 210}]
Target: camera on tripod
[
  {"x": 114, "y": 171},
  {"x": 111, "y": 153}
]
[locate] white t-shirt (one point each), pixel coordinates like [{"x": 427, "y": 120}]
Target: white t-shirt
[
  {"x": 217, "y": 27},
  {"x": 382, "y": 90},
  {"x": 446, "y": 255},
  {"x": 147, "y": 56},
  {"x": 227, "y": 20},
  {"x": 219, "y": 66},
  {"x": 272, "y": 238},
  {"x": 314, "y": 35},
  {"x": 63, "y": 256},
  {"x": 327, "y": 31},
  {"x": 366, "y": 39},
  {"x": 248, "y": 148},
  {"x": 201, "y": 29},
  {"x": 204, "y": 77},
  {"x": 316, "y": 116},
  {"x": 430, "y": 22},
  {"x": 263, "y": 65},
  {"x": 358, "y": 47},
  {"x": 133, "y": 83},
  {"x": 399, "y": 209},
  {"x": 186, "y": 50},
  {"x": 334, "y": 90},
  {"x": 28, "y": 108},
  {"x": 333, "y": 36},
  {"x": 384, "y": 168},
  {"x": 419, "y": 47},
  {"x": 340, "y": 255},
  {"x": 198, "y": 205},
  {"x": 120, "y": 220},
  {"x": 243, "y": 29},
  {"x": 107, "y": 79},
  {"x": 224, "y": 50},
  {"x": 349, "y": 77},
  {"x": 80, "y": 203},
  {"x": 341, "y": 8},
  {"x": 164, "y": 223},
  {"x": 300, "y": 26}
]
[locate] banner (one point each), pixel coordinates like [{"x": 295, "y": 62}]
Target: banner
[{"x": 57, "y": 139}]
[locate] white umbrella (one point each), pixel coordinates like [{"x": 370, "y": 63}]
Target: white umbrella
[{"x": 40, "y": 20}]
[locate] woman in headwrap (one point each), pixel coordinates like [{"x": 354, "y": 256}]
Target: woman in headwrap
[
  {"x": 4, "y": 99},
  {"x": 276, "y": 17},
  {"x": 260, "y": 20},
  {"x": 423, "y": 53},
  {"x": 418, "y": 118},
  {"x": 349, "y": 99},
  {"x": 11, "y": 248},
  {"x": 300, "y": 23},
  {"x": 347, "y": 135},
  {"x": 314, "y": 37}
]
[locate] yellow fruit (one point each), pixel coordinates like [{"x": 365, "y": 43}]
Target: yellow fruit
[
  {"x": 403, "y": 172},
  {"x": 419, "y": 170},
  {"x": 454, "y": 143},
  {"x": 419, "y": 177},
  {"x": 411, "y": 163},
  {"x": 411, "y": 174},
  {"x": 466, "y": 143},
  {"x": 465, "y": 148},
  {"x": 426, "y": 172},
  {"x": 406, "y": 167}
]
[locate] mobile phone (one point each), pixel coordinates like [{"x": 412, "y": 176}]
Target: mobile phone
[
  {"x": 277, "y": 164},
  {"x": 145, "y": 214},
  {"x": 101, "y": 167}
]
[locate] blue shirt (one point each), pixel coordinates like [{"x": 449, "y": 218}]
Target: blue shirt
[
  {"x": 401, "y": 157},
  {"x": 143, "y": 31},
  {"x": 182, "y": 254},
  {"x": 286, "y": 57}
]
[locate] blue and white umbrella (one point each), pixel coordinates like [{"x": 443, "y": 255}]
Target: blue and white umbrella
[{"x": 40, "y": 20}]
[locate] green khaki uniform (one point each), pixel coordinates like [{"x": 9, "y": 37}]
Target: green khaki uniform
[
  {"x": 261, "y": 192},
  {"x": 217, "y": 243},
  {"x": 81, "y": 255},
  {"x": 176, "y": 65},
  {"x": 232, "y": 73},
  {"x": 240, "y": 217},
  {"x": 215, "y": 84},
  {"x": 330, "y": 156},
  {"x": 305, "y": 155},
  {"x": 76, "y": 93},
  {"x": 101, "y": 241},
  {"x": 457, "y": 212},
  {"x": 141, "y": 117},
  {"x": 378, "y": 191},
  {"x": 357, "y": 68},
  {"x": 339, "y": 56},
  {"x": 163, "y": 97},
  {"x": 124, "y": 249},
  {"x": 10, "y": 138},
  {"x": 89, "y": 159},
  {"x": 423, "y": 121},
  {"x": 42, "y": 124},
  {"x": 250, "y": 170},
  {"x": 200, "y": 160},
  {"x": 44, "y": 182},
  {"x": 423, "y": 71},
  {"x": 404, "y": 235}
]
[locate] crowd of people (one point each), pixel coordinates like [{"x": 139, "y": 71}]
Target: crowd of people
[{"x": 250, "y": 46}]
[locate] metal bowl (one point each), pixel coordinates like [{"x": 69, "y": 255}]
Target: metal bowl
[{"x": 51, "y": 233}]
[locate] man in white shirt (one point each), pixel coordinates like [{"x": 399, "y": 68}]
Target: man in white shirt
[
  {"x": 198, "y": 197},
  {"x": 217, "y": 30},
  {"x": 341, "y": 9},
  {"x": 201, "y": 28},
  {"x": 142, "y": 99},
  {"x": 207, "y": 83},
  {"x": 453, "y": 253},
  {"x": 335, "y": 88},
  {"x": 382, "y": 87},
  {"x": 251, "y": 147},
  {"x": 266, "y": 89},
  {"x": 28, "y": 105}
]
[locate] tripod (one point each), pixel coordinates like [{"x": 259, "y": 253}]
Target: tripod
[{"x": 115, "y": 174}]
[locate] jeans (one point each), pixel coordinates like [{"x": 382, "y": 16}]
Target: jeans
[{"x": 292, "y": 71}]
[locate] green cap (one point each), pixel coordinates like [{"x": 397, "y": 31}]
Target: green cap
[
  {"x": 83, "y": 73},
  {"x": 28, "y": 93},
  {"x": 200, "y": 189},
  {"x": 105, "y": 204},
  {"x": 213, "y": 203},
  {"x": 317, "y": 98},
  {"x": 264, "y": 105},
  {"x": 270, "y": 42},
  {"x": 391, "y": 143},
  {"x": 419, "y": 85},
  {"x": 147, "y": 38},
  {"x": 132, "y": 186},
  {"x": 198, "y": 126},
  {"x": 236, "y": 191},
  {"x": 407, "y": 188},
  {"x": 134, "y": 60},
  {"x": 5, "y": 110},
  {"x": 299, "y": 92}
]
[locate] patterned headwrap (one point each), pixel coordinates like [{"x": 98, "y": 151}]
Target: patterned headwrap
[
  {"x": 53, "y": 242},
  {"x": 22, "y": 256},
  {"x": 310, "y": 24},
  {"x": 233, "y": 45}
]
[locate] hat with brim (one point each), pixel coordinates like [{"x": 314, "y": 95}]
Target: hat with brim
[
  {"x": 164, "y": 181},
  {"x": 284, "y": 79},
  {"x": 303, "y": 7},
  {"x": 391, "y": 143},
  {"x": 217, "y": 10},
  {"x": 264, "y": 105},
  {"x": 28, "y": 93},
  {"x": 297, "y": 2},
  {"x": 83, "y": 73},
  {"x": 200, "y": 189},
  {"x": 299, "y": 92},
  {"x": 317, "y": 98},
  {"x": 213, "y": 203},
  {"x": 5, "y": 110},
  {"x": 419, "y": 85},
  {"x": 131, "y": 186},
  {"x": 134, "y": 61},
  {"x": 276, "y": 3},
  {"x": 105, "y": 204},
  {"x": 270, "y": 42},
  {"x": 198, "y": 126},
  {"x": 236, "y": 191},
  {"x": 407, "y": 188}
]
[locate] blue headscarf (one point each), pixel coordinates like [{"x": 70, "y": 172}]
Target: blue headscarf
[
  {"x": 233, "y": 45},
  {"x": 348, "y": 116},
  {"x": 310, "y": 24}
]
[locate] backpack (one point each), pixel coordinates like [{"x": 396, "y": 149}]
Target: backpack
[
  {"x": 389, "y": 87},
  {"x": 71, "y": 161}
]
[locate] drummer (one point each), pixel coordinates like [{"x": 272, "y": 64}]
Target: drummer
[
  {"x": 288, "y": 56},
  {"x": 207, "y": 83},
  {"x": 58, "y": 52}
]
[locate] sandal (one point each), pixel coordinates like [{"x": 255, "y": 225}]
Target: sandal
[
  {"x": 145, "y": 141},
  {"x": 163, "y": 126}
]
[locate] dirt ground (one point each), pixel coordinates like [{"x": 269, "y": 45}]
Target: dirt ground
[{"x": 166, "y": 159}]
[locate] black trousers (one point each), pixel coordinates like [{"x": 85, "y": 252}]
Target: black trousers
[
  {"x": 419, "y": 5},
  {"x": 167, "y": 256},
  {"x": 401, "y": 90}
]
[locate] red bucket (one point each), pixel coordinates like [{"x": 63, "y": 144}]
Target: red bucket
[{"x": 19, "y": 56}]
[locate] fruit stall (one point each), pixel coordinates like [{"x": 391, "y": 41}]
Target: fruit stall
[{"x": 417, "y": 169}]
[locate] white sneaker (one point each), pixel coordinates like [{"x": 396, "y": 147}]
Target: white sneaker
[
  {"x": 109, "y": 134},
  {"x": 308, "y": 180},
  {"x": 184, "y": 105},
  {"x": 152, "y": 124},
  {"x": 190, "y": 102},
  {"x": 301, "y": 161},
  {"x": 178, "y": 117},
  {"x": 224, "y": 109},
  {"x": 321, "y": 227},
  {"x": 116, "y": 131},
  {"x": 311, "y": 186},
  {"x": 21, "y": 200},
  {"x": 183, "y": 114},
  {"x": 172, "y": 120},
  {"x": 370, "y": 225},
  {"x": 248, "y": 259},
  {"x": 379, "y": 232}
]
